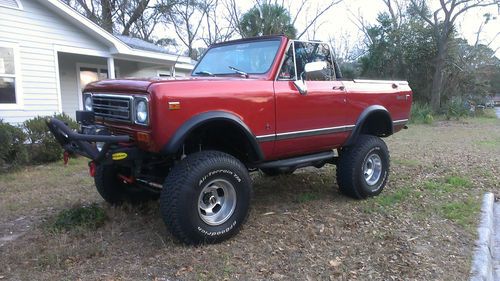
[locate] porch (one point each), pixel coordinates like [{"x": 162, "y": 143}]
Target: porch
[{"x": 76, "y": 71}]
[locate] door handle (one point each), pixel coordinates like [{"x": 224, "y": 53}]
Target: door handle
[{"x": 339, "y": 88}]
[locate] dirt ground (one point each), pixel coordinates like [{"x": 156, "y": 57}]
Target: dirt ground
[{"x": 422, "y": 227}]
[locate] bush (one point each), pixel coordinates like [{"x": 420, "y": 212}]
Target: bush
[
  {"x": 486, "y": 113},
  {"x": 43, "y": 146},
  {"x": 80, "y": 217},
  {"x": 421, "y": 113},
  {"x": 12, "y": 148},
  {"x": 457, "y": 108}
]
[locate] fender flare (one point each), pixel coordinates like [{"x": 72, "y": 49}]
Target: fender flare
[
  {"x": 180, "y": 135},
  {"x": 362, "y": 118}
]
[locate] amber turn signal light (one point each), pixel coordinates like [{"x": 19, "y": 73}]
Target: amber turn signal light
[{"x": 174, "y": 105}]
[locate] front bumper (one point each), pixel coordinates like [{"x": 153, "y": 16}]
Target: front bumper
[{"x": 82, "y": 144}]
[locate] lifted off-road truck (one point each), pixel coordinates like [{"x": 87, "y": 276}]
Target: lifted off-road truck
[{"x": 268, "y": 103}]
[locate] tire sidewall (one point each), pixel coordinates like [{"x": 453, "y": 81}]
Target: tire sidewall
[
  {"x": 190, "y": 217},
  {"x": 115, "y": 192},
  {"x": 108, "y": 186},
  {"x": 372, "y": 190}
]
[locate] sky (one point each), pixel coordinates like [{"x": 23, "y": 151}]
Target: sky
[{"x": 338, "y": 23}]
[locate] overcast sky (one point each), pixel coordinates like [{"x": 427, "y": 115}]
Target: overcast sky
[{"x": 337, "y": 23}]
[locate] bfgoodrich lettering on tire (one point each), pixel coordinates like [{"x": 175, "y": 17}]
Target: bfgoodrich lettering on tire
[
  {"x": 206, "y": 197},
  {"x": 363, "y": 168}
]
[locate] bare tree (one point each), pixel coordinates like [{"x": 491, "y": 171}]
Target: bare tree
[
  {"x": 126, "y": 17},
  {"x": 442, "y": 21},
  {"x": 216, "y": 29},
  {"x": 233, "y": 15},
  {"x": 102, "y": 12},
  {"x": 359, "y": 21},
  {"x": 312, "y": 22},
  {"x": 343, "y": 45},
  {"x": 187, "y": 18}
]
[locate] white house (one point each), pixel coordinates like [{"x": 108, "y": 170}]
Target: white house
[{"x": 48, "y": 52}]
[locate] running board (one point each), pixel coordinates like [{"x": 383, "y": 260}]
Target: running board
[{"x": 317, "y": 159}]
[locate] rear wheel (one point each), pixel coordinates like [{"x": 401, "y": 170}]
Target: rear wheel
[
  {"x": 115, "y": 191},
  {"x": 206, "y": 197},
  {"x": 363, "y": 168}
]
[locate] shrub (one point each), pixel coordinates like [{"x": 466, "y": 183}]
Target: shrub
[
  {"x": 421, "y": 113},
  {"x": 66, "y": 119},
  {"x": 457, "y": 108},
  {"x": 43, "y": 146},
  {"x": 12, "y": 148},
  {"x": 487, "y": 113},
  {"x": 80, "y": 217}
]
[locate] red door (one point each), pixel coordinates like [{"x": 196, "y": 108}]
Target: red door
[{"x": 309, "y": 123}]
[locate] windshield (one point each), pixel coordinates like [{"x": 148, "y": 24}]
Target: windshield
[{"x": 248, "y": 57}]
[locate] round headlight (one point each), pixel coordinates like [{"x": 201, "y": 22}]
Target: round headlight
[
  {"x": 141, "y": 111},
  {"x": 88, "y": 103}
]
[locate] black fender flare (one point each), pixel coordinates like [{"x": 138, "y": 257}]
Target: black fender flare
[
  {"x": 362, "y": 118},
  {"x": 175, "y": 142}
]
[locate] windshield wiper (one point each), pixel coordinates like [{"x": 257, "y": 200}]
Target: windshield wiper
[
  {"x": 238, "y": 71},
  {"x": 204, "y": 73}
]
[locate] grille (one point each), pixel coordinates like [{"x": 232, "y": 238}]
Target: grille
[{"x": 115, "y": 108}]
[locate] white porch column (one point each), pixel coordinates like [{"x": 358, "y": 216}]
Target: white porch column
[
  {"x": 172, "y": 71},
  {"x": 111, "y": 68}
]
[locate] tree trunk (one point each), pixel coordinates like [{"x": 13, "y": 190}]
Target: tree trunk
[
  {"x": 107, "y": 15},
  {"x": 437, "y": 79},
  {"x": 437, "y": 83}
]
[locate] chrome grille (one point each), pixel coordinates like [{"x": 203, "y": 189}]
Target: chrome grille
[{"x": 110, "y": 107}]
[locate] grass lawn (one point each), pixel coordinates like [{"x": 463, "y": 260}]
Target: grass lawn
[{"x": 54, "y": 225}]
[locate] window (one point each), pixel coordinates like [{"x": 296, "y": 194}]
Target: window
[
  {"x": 252, "y": 57},
  {"x": 7, "y": 76},
  {"x": 91, "y": 74},
  {"x": 287, "y": 71},
  {"x": 88, "y": 73},
  {"x": 306, "y": 52},
  {"x": 16, "y": 4}
]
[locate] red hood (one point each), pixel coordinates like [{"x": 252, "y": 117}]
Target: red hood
[
  {"x": 142, "y": 85},
  {"x": 119, "y": 85}
]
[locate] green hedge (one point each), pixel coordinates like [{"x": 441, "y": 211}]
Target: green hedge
[
  {"x": 12, "y": 149},
  {"x": 421, "y": 113},
  {"x": 31, "y": 142}
]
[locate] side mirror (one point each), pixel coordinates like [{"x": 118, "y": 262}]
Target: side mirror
[
  {"x": 315, "y": 70},
  {"x": 301, "y": 86},
  {"x": 312, "y": 71}
]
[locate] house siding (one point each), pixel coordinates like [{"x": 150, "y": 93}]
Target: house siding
[{"x": 37, "y": 31}]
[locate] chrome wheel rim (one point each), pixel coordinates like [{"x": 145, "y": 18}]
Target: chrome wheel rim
[
  {"x": 216, "y": 202},
  {"x": 372, "y": 169}
]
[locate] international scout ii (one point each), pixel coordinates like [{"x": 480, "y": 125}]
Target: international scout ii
[{"x": 269, "y": 103}]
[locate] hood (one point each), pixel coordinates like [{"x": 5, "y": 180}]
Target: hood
[
  {"x": 142, "y": 85},
  {"x": 119, "y": 85}
]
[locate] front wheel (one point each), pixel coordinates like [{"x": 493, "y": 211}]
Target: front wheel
[
  {"x": 206, "y": 197},
  {"x": 116, "y": 192},
  {"x": 363, "y": 168}
]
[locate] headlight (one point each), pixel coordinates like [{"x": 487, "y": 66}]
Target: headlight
[
  {"x": 87, "y": 102},
  {"x": 141, "y": 111}
]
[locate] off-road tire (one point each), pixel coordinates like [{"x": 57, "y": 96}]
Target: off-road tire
[
  {"x": 183, "y": 191},
  {"x": 273, "y": 172},
  {"x": 115, "y": 191},
  {"x": 350, "y": 167}
]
